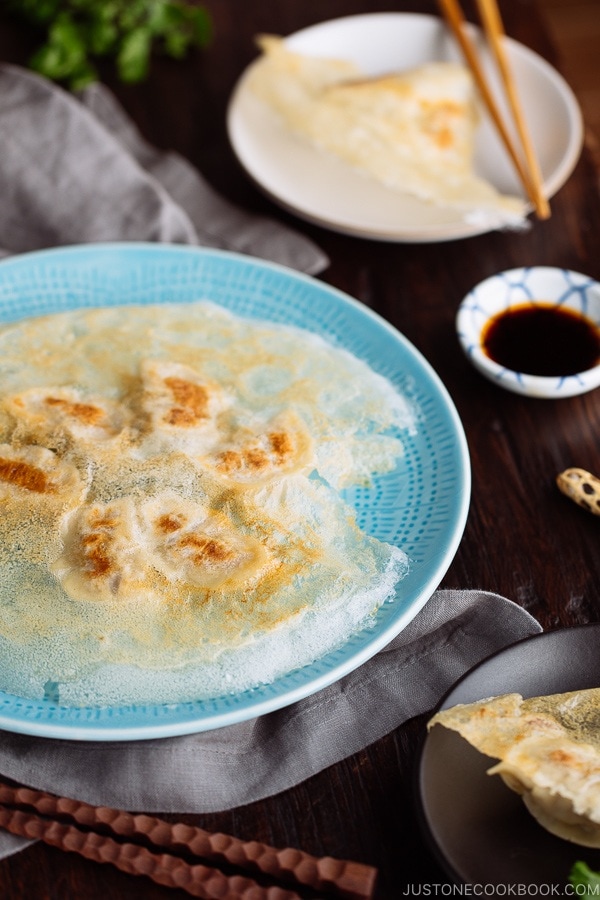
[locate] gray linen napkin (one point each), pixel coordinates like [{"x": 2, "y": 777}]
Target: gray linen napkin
[
  {"x": 76, "y": 170},
  {"x": 242, "y": 763}
]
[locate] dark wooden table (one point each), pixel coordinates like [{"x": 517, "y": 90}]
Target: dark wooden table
[{"x": 523, "y": 539}]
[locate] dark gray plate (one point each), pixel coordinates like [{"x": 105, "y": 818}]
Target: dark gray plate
[{"x": 478, "y": 828}]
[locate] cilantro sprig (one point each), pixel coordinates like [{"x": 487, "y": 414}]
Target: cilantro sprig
[{"x": 78, "y": 33}]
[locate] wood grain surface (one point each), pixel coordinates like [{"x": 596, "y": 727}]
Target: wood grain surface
[{"x": 523, "y": 538}]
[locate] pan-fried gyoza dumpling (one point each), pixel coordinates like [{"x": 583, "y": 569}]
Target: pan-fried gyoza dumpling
[
  {"x": 38, "y": 489},
  {"x": 413, "y": 130},
  {"x": 199, "y": 547},
  {"x": 283, "y": 447},
  {"x": 125, "y": 549},
  {"x": 548, "y": 750},
  {"x": 181, "y": 404},
  {"x": 32, "y": 472},
  {"x": 57, "y": 412},
  {"x": 104, "y": 554}
]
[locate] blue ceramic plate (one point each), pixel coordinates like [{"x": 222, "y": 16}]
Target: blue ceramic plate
[{"x": 421, "y": 506}]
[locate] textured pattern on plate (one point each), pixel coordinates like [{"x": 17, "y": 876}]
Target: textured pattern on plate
[{"x": 421, "y": 506}]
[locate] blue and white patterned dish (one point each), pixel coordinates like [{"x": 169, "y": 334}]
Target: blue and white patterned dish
[
  {"x": 422, "y": 506},
  {"x": 542, "y": 284}
]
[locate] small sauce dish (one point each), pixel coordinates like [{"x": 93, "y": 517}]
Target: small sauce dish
[{"x": 534, "y": 331}]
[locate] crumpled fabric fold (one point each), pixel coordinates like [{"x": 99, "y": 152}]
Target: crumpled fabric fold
[{"x": 76, "y": 170}]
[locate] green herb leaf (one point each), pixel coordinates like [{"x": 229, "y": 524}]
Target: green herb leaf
[
  {"x": 176, "y": 44},
  {"x": 103, "y": 37},
  {"x": 133, "y": 58},
  {"x": 79, "y": 31},
  {"x": 65, "y": 51},
  {"x": 582, "y": 876}
]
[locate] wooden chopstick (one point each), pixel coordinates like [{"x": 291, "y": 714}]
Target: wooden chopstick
[
  {"x": 176, "y": 854},
  {"x": 198, "y": 881},
  {"x": 171, "y": 871},
  {"x": 494, "y": 31},
  {"x": 529, "y": 174}
]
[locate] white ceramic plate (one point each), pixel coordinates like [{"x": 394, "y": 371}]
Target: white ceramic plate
[
  {"x": 324, "y": 191},
  {"x": 422, "y": 506}
]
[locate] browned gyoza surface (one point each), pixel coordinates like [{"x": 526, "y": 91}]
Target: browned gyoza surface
[{"x": 162, "y": 524}]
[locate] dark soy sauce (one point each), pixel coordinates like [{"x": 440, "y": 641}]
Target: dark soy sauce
[{"x": 542, "y": 339}]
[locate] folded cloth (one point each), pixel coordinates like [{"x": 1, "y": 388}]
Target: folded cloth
[
  {"x": 242, "y": 763},
  {"x": 76, "y": 170}
]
